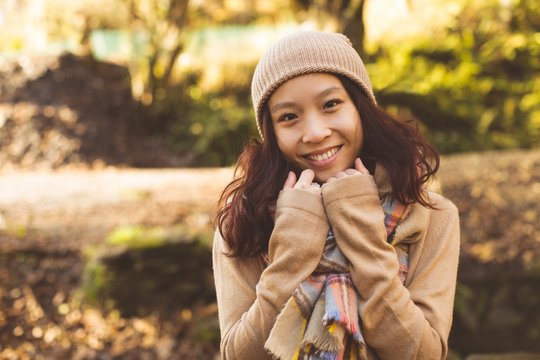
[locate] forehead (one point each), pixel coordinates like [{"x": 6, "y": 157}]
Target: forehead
[{"x": 305, "y": 85}]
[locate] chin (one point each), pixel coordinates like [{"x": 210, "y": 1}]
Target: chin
[{"x": 321, "y": 179}]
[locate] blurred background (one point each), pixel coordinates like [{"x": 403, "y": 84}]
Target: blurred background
[{"x": 120, "y": 122}]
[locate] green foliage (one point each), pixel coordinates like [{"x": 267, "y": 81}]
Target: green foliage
[
  {"x": 93, "y": 278},
  {"x": 209, "y": 126},
  {"x": 475, "y": 87},
  {"x": 142, "y": 237},
  {"x": 137, "y": 237}
]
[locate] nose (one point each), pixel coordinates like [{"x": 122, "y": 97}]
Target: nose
[{"x": 315, "y": 130}]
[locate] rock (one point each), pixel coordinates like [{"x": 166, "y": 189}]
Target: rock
[
  {"x": 497, "y": 307},
  {"x": 73, "y": 111},
  {"x": 160, "y": 277}
]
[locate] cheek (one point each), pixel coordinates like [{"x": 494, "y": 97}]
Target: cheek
[
  {"x": 359, "y": 133},
  {"x": 359, "y": 137},
  {"x": 285, "y": 143},
  {"x": 286, "y": 150}
]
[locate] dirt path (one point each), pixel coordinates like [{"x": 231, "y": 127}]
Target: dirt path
[
  {"x": 71, "y": 207},
  {"x": 68, "y": 208}
]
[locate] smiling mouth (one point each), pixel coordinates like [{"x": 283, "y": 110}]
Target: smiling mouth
[{"x": 324, "y": 156}]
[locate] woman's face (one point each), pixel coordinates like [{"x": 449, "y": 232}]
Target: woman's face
[{"x": 316, "y": 124}]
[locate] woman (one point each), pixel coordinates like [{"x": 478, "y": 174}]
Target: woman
[{"x": 329, "y": 244}]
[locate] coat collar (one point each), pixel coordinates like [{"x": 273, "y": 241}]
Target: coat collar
[{"x": 414, "y": 225}]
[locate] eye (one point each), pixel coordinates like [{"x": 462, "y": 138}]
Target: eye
[
  {"x": 332, "y": 103},
  {"x": 287, "y": 117}
]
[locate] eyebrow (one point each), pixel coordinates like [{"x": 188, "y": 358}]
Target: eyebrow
[{"x": 322, "y": 94}]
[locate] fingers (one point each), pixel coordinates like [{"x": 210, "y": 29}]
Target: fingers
[
  {"x": 359, "y": 166},
  {"x": 305, "y": 179},
  {"x": 291, "y": 180},
  {"x": 305, "y": 182},
  {"x": 342, "y": 174},
  {"x": 331, "y": 179}
]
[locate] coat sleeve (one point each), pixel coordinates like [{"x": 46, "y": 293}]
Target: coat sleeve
[
  {"x": 398, "y": 322},
  {"x": 249, "y": 300}
]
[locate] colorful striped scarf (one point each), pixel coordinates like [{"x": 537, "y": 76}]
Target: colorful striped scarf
[{"x": 321, "y": 320}]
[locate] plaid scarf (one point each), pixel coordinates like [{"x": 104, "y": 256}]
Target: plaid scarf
[{"x": 321, "y": 320}]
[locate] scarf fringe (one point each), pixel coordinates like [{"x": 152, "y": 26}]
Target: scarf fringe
[
  {"x": 290, "y": 323},
  {"x": 317, "y": 333}
]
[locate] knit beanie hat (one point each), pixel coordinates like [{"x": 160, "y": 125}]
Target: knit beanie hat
[{"x": 306, "y": 52}]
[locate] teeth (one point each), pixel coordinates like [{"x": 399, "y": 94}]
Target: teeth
[{"x": 324, "y": 156}]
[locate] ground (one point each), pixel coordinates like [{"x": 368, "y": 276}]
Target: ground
[{"x": 48, "y": 219}]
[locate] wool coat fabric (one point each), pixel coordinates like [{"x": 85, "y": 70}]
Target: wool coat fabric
[{"x": 399, "y": 321}]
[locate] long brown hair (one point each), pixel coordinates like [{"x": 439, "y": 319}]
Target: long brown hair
[{"x": 245, "y": 220}]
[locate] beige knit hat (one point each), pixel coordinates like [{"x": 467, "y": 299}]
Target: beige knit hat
[{"x": 306, "y": 52}]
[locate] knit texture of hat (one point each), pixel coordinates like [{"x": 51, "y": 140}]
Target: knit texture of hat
[{"x": 306, "y": 52}]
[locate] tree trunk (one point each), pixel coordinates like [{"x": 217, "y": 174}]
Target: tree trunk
[{"x": 354, "y": 27}]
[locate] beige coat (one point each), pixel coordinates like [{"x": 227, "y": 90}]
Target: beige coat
[{"x": 410, "y": 321}]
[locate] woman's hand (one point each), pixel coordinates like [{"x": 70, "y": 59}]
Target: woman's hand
[
  {"x": 305, "y": 182},
  {"x": 359, "y": 168}
]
